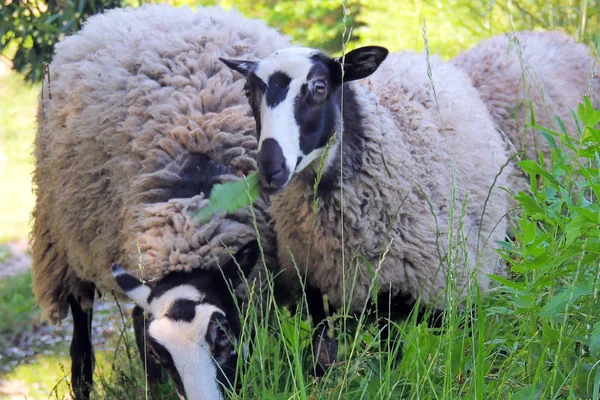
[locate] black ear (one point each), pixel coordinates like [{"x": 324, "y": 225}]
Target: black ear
[
  {"x": 133, "y": 287},
  {"x": 246, "y": 259},
  {"x": 359, "y": 63},
  {"x": 244, "y": 67}
]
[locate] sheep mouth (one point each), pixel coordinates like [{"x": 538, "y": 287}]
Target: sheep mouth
[{"x": 269, "y": 189}]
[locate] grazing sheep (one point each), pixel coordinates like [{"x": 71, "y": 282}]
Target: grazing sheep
[
  {"x": 544, "y": 72},
  {"x": 407, "y": 168},
  {"x": 137, "y": 120}
]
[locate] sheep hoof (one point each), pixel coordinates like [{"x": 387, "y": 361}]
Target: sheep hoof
[{"x": 325, "y": 350}]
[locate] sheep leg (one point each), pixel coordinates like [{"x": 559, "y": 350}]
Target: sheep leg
[
  {"x": 154, "y": 373},
  {"x": 397, "y": 308},
  {"x": 81, "y": 351},
  {"x": 325, "y": 347}
]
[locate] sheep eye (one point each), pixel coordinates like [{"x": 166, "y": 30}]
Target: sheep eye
[
  {"x": 319, "y": 86},
  {"x": 222, "y": 336}
]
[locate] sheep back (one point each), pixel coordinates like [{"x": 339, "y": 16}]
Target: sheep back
[
  {"x": 544, "y": 72},
  {"x": 126, "y": 102}
]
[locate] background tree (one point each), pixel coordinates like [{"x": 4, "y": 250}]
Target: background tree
[
  {"x": 453, "y": 25},
  {"x": 315, "y": 23},
  {"x": 31, "y": 28}
]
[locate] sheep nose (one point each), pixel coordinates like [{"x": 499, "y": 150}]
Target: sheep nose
[{"x": 272, "y": 167}]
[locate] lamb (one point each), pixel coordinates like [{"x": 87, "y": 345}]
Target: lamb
[
  {"x": 407, "y": 160},
  {"x": 137, "y": 120},
  {"x": 544, "y": 72}
]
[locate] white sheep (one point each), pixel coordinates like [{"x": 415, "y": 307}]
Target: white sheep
[
  {"x": 396, "y": 179},
  {"x": 546, "y": 73},
  {"x": 138, "y": 119}
]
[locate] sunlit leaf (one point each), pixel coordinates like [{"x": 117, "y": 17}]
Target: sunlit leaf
[{"x": 228, "y": 197}]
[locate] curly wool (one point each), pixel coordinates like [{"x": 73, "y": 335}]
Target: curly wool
[
  {"x": 127, "y": 99},
  {"x": 544, "y": 72},
  {"x": 397, "y": 205}
]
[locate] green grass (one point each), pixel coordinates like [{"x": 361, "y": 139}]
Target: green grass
[
  {"x": 534, "y": 336},
  {"x": 17, "y": 130},
  {"x": 17, "y": 307},
  {"x": 42, "y": 378}
]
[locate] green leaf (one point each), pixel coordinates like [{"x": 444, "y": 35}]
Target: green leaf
[
  {"x": 588, "y": 115},
  {"x": 228, "y": 197},
  {"x": 539, "y": 261},
  {"x": 560, "y": 302},
  {"x": 548, "y": 134},
  {"x": 550, "y": 334},
  {"x": 533, "y": 168},
  {"x": 524, "y": 300},
  {"x": 573, "y": 228},
  {"x": 508, "y": 283}
]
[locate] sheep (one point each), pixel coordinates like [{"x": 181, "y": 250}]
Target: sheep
[
  {"x": 544, "y": 72},
  {"x": 137, "y": 120},
  {"x": 394, "y": 180}
]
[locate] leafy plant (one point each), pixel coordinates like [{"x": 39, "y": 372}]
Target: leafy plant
[
  {"x": 228, "y": 197},
  {"x": 32, "y": 28},
  {"x": 555, "y": 259}
]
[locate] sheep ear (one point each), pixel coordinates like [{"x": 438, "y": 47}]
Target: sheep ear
[
  {"x": 244, "y": 67},
  {"x": 360, "y": 63},
  {"x": 246, "y": 258},
  {"x": 133, "y": 288}
]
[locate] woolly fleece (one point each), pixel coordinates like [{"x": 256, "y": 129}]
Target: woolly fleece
[
  {"x": 546, "y": 71},
  {"x": 410, "y": 148},
  {"x": 126, "y": 100}
]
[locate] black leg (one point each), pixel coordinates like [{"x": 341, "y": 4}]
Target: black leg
[
  {"x": 325, "y": 347},
  {"x": 82, "y": 353},
  {"x": 398, "y": 308},
  {"x": 154, "y": 373}
]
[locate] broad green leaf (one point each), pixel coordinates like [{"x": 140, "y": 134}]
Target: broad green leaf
[
  {"x": 523, "y": 300},
  {"x": 228, "y": 197},
  {"x": 539, "y": 261},
  {"x": 529, "y": 204},
  {"x": 527, "y": 230},
  {"x": 507, "y": 282},
  {"x": 550, "y": 334},
  {"x": 532, "y": 167},
  {"x": 573, "y": 228},
  {"x": 588, "y": 115},
  {"x": 548, "y": 134},
  {"x": 567, "y": 297}
]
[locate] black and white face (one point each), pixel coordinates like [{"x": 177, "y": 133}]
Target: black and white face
[
  {"x": 193, "y": 324},
  {"x": 295, "y": 97}
]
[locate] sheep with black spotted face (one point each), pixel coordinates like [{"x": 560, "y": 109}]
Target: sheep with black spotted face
[
  {"x": 192, "y": 323},
  {"x": 406, "y": 159},
  {"x": 138, "y": 120}
]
